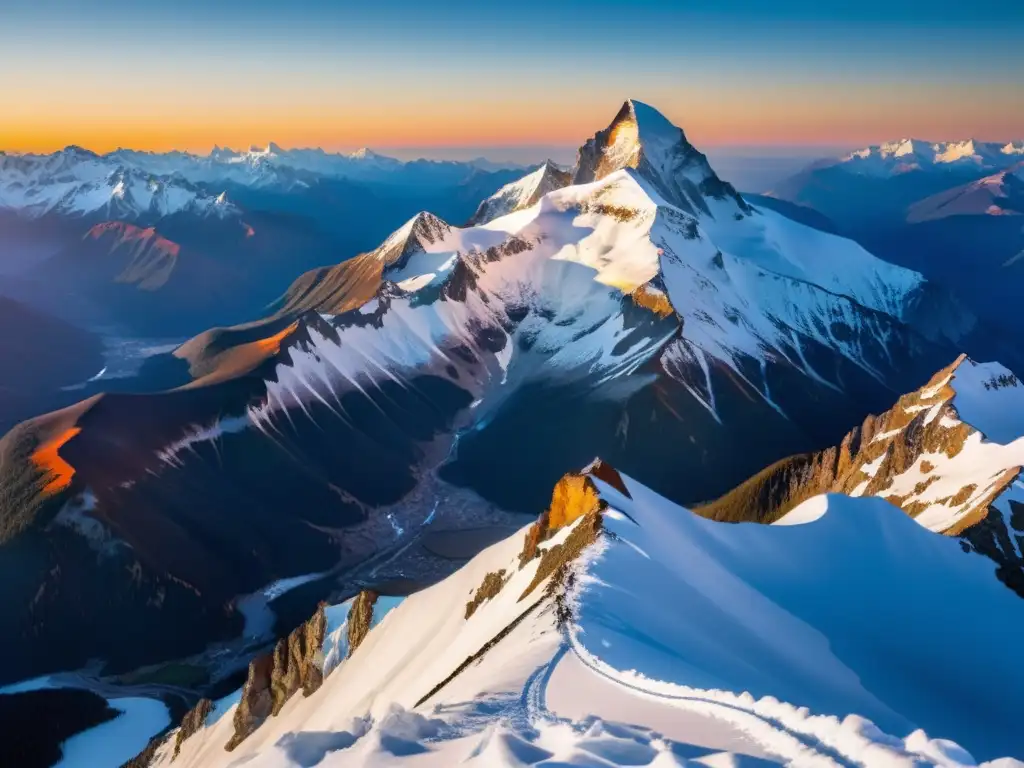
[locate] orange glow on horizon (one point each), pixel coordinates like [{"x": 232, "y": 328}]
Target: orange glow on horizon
[{"x": 783, "y": 117}]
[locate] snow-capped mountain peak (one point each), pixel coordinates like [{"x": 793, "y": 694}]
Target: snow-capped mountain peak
[
  {"x": 949, "y": 453},
  {"x": 641, "y": 138},
  {"x": 523, "y": 193},
  {"x": 365, "y": 153},
  {"x": 421, "y": 233},
  {"x": 78, "y": 182},
  {"x": 904, "y": 155}
]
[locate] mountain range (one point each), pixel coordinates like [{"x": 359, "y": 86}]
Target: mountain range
[
  {"x": 389, "y": 416},
  {"x": 949, "y": 210},
  {"x": 77, "y": 229},
  {"x": 133, "y": 184}
]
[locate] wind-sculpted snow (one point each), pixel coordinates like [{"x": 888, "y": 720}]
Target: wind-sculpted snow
[
  {"x": 667, "y": 639},
  {"x": 744, "y": 612}
]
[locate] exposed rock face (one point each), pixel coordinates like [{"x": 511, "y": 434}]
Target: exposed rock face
[
  {"x": 555, "y": 560},
  {"x": 608, "y": 474},
  {"x": 298, "y": 661},
  {"x": 149, "y": 258},
  {"x": 193, "y": 720},
  {"x": 921, "y": 455},
  {"x": 574, "y": 496},
  {"x": 256, "y": 703},
  {"x": 654, "y": 299},
  {"x": 489, "y": 587},
  {"x": 360, "y": 618}
]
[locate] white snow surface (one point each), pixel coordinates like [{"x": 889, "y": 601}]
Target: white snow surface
[{"x": 688, "y": 641}]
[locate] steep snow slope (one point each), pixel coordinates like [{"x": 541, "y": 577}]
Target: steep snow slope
[
  {"x": 620, "y": 630},
  {"x": 522, "y": 193}
]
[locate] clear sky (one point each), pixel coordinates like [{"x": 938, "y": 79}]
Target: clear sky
[{"x": 188, "y": 74}]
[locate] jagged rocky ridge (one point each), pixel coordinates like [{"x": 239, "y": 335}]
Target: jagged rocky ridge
[
  {"x": 645, "y": 307},
  {"x": 572, "y": 657},
  {"x": 949, "y": 454}
]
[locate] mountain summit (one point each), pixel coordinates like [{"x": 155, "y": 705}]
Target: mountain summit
[{"x": 642, "y": 138}]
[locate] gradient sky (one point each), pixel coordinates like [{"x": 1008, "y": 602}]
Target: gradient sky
[{"x": 398, "y": 73}]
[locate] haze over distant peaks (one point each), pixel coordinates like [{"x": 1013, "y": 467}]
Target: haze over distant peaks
[
  {"x": 912, "y": 154},
  {"x": 129, "y": 183}
]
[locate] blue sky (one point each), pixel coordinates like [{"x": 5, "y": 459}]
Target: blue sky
[{"x": 395, "y": 73}]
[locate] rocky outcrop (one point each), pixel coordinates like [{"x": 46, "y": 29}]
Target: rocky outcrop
[
  {"x": 489, "y": 587},
  {"x": 193, "y": 720},
  {"x": 556, "y": 560},
  {"x": 255, "y": 703},
  {"x": 360, "y": 618},
  {"x": 575, "y": 495},
  {"x": 575, "y": 499},
  {"x": 654, "y": 299},
  {"x": 298, "y": 661}
]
